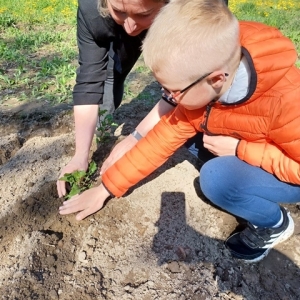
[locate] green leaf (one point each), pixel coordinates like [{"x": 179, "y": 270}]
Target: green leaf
[
  {"x": 74, "y": 191},
  {"x": 64, "y": 178},
  {"x": 92, "y": 168},
  {"x": 78, "y": 175},
  {"x": 68, "y": 177}
]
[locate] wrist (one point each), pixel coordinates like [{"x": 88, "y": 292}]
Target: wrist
[
  {"x": 81, "y": 155},
  {"x": 104, "y": 191},
  {"x": 136, "y": 135}
]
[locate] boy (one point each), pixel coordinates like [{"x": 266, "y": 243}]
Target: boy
[{"x": 237, "y": 83}]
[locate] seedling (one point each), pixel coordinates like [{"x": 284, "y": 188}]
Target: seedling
[
  {"x": 105, "y": 128},
  {"x": 79, "y": 181}
]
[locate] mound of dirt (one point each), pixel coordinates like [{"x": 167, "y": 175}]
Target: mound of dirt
[{"x": 161, "y": 241}]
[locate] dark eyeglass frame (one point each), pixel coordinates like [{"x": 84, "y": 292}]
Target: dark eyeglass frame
[{"x": 170, "y": 97}]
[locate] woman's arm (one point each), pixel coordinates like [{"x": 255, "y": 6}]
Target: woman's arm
[{"x": 87, "y": 93}]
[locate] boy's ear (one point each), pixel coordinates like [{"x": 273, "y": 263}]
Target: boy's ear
[{"x": 217, "y": 79}]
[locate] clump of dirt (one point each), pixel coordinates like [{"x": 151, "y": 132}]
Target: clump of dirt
[{"x": 163, "y": 240}]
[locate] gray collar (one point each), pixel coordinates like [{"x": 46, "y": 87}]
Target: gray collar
[{"x": 239, "y": 87}]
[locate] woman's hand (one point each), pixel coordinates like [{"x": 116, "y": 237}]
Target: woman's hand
[
  {"x": 74, "y": 165},
  {"x": 86, "y": 203},
  {"x": 220, "y": 145}
]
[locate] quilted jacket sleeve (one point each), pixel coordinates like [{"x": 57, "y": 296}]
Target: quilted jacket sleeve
[
  {"x": 272, "y": 159},
  {"x": 279, "y": 154},
  {"x": 149, "y": 153}
]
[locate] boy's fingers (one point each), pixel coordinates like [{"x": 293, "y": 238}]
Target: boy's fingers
[
  {"x": 70, "y": 206},
  {"x": 88, "y": 211},
  {"x": 83, "y": 214},
  {"x": 73, "y": 208},
  {"x": 63, "y": 210},
  {"x": 68, "y": 210},
  {"x": 85, "y": 204},
  {"x": 72, "y": 200}
]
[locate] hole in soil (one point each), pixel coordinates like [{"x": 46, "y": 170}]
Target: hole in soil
[
  {"x": 10, "y": 144},
  {"x": 59, "y": 235}
]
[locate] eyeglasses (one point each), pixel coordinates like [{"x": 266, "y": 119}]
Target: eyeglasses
[{"x": 170, "y": 96}]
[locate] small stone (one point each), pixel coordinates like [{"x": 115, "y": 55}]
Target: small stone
[
  {"x": 174, "y": 267},
  {"x": 45, "y": 156},
  {"x": 150, "y": 283},
  {"x": 53, "y": 294},
  {"x": 18, "y": 274},
  {"x": 89, "y": 251},
  {"x": 82, "y": 256}
]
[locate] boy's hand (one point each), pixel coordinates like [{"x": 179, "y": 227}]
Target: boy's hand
[
  {"x": 87, "y": 203},
  {"x": 220, "y": 145}
]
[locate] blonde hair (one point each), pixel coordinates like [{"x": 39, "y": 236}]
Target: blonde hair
[
  {"x": 102, "y": 8},
  {"x": 104, "y": 12},
  {"x": 191, "y": 37}
]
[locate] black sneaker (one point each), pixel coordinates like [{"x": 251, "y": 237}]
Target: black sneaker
[{"x": 254, "y": 243}]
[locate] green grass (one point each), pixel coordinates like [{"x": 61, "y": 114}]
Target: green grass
[
  {"x": 31, "y": 12},
  {"x": 38, "y": 52},
  {"x": 283, "y": 14}
]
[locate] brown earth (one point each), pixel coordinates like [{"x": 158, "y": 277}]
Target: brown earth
[{"x": 163, "y": 240}]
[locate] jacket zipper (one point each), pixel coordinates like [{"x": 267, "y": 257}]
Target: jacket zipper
[{"x": 203, "y": 125}]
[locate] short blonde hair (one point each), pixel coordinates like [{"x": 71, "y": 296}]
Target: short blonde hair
[{"x": 191, "y": 37}]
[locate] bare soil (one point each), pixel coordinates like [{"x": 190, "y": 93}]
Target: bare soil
[{"x": 163, "y": 240}]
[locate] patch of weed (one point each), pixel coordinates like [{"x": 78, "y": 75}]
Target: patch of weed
[{"x": 105, "y": 128}]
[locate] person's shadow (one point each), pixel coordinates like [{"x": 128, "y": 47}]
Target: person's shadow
[{"x": 185, "y": 250}]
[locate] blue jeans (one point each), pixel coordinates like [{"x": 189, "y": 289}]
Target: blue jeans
[
  {"x": 243, "y": 190},
  {"x": 246, "y": 191}
]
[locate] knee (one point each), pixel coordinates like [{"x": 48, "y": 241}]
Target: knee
[
  {"x": 208, "y": 178},
  {"x": 215, "y": 180}
]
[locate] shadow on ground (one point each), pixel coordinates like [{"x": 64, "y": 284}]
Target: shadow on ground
[{"x": 179, "y": 245}]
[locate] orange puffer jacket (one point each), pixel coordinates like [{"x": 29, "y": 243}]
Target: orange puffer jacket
[{"x": 267, "y": 120}]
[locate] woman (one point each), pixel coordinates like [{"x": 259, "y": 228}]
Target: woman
[{"x": 109, "y": 36}]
